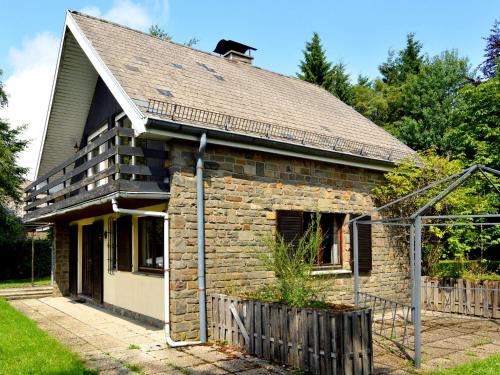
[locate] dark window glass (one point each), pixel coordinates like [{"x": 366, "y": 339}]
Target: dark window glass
[
  {"x": 293, "y": 224},
  {"x": 151, "y": 244}
]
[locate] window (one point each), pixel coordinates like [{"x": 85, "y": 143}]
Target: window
[
  {"x": 293, "y": 224},
  {"x": 151, "y": 244}
]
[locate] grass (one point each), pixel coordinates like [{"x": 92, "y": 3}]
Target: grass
[
  {"x": 487, "y": 366},
  {"x": 133, "y": 347},
  {"x": 133, "y": 368},
  {"x": 26, "y": 349},
  {"x": 24, "y": 282}
]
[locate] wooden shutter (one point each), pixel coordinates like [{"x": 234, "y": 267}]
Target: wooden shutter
[
  {"x": 124, "y": 243},
  {"x": 290, "y": 225},
  {"x": 364, "y": 245}
]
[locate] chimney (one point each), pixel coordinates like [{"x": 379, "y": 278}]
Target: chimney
[{"x": 234, "y": 51}]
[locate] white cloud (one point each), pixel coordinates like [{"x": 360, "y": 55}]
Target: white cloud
[
  {"x": 133, "y": 14},
  {"x": 28, "y": 89},
  {"x": 33, "y": 64}
]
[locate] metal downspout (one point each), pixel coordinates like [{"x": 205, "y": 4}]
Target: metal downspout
[
  {"x": 166, "y": 265},
  {"x": 200, "y": 215}
]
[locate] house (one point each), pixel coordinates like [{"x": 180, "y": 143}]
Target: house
[{"x": 163, "y": 167}]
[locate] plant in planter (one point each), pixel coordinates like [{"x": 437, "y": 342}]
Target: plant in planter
[
  {"x": 293, "y": 264},
  {"x": 289, "y": 322}
]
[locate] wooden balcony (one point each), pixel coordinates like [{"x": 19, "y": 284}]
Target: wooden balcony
[{"x": 113, "y": 165}]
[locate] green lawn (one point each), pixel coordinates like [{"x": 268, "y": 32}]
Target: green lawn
[
  {"x": 26, "y": 349},
  {"x": 24, "y": 282},
  {"x": 488, "y": 366}
]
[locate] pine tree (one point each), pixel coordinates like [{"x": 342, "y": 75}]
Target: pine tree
[
  {"x": 339, "y": 84},
  {"x": 315, "y": 68},
  {"x": 490, "y": 66},
  {"x": 407, "y": 61}
]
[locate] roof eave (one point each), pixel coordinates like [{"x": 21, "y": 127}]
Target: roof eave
[{"x": 182, "y": 130}]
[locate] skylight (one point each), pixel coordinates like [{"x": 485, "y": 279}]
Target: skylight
[
  {"x": 206, "y": 67},
  {"x": 165, "y": 92}
]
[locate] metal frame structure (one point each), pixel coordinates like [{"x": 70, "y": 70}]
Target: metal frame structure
[{"x": 416, "y": 222}]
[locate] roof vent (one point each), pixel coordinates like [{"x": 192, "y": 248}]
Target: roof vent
[{"x": 234, "y": 51}]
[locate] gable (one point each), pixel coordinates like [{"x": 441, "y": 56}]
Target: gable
[{"x": 72, "y": 95}]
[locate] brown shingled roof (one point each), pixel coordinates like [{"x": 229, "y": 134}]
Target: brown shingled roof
[{"x": 149, "y": 68}]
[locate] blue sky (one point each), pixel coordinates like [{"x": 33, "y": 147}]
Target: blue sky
[{"x": 358, "y": 33}]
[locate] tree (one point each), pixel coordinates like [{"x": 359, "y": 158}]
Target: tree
[
  {"x": 338, "y": 83},
  {"x": 475, "y": 135},
  {"x": 157, "y": 31},
  {"x": 314, "y": 67},
  {"x": 11, "y": 174},
  {"x": 421, "y": 108},
  {"x": 489, "y": 67},
  {"x": 408, "y": 61},
  {"x": 472, "y": 197}
]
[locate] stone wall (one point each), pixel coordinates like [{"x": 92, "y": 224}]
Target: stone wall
[
  {"x": 61, "y": 252},
  {"x": 243, "y": 191}
]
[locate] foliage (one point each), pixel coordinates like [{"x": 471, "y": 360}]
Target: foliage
[
  {"x": 157, "y": 31},
  {"x": 490, "y": 66},
  {"x": 315, "y": 68},
  {"x": 11, "y": 174},
  {"x": 472, "y": 197},
  {"x": 420, "y": 108},
  {"x": 11, "y": 227},
  {"x": 475, "y": 135},
  {"x": 399, "y": 66},
  {"x": 338, "y": 83},
  {"x": 15, "y": 259},
  {"x": 26, "y": 349},
  {"x": 292, "y": 264},
  {"x": 468, "y": 269},
  {"x": 487, "y": 366}
]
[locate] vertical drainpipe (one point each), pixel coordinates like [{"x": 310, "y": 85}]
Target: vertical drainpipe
[{"x": 200, "y": 215}]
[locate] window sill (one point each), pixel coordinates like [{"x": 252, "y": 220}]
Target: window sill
[
  {"x": 149, "y": 273},
  {"x": 323, "y": 272}
]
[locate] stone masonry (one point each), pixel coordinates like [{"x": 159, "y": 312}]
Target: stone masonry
[
  {"x": 61, "y": 268},
  {"x": 243, "y": 191}
]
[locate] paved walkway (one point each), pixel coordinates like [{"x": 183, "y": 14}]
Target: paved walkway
[
  {"x": 113, "y": 344},
  {"x": 448, "y": 340}
]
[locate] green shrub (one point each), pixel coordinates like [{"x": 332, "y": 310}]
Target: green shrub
[
  {"x": 292, "y": 264},
  {"x": 15, "y": 259},
  {"x": 469, "y": 269}
]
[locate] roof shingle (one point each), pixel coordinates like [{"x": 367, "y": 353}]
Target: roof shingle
[{"x": 146, "y": 66}]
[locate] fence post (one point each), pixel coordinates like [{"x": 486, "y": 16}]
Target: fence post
[
  {"x": 355, "y": 261},
  {"x": 416, "y": 293},
  {"x": 33, "y": 258}
]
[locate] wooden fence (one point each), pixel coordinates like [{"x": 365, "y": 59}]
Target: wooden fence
[
  {"x": 316, "y": 340},
  {"x": 462, "y": 297}
]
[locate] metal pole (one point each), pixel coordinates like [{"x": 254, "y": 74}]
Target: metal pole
[
  {"x": 355, "y": 250},
  {"x": 33, "y": 258},
  {"x": 417, "y": 308},
  {"x": 412, "y": 265}
]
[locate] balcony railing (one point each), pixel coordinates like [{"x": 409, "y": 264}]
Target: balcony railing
[{"x": 115, "y": 161}]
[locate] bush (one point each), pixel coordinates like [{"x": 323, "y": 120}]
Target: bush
[
  {"x": 292, "y": 264},
  {"x": 469, "y": 269},
  {"x": 15, "y": 259}
]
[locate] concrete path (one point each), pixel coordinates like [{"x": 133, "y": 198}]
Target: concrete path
[
  {"x": 116, "y": 345},
  {"x": 448, "y": 340}
]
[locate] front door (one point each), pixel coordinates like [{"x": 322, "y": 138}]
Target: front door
[{"x": 92, "y": 256}]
